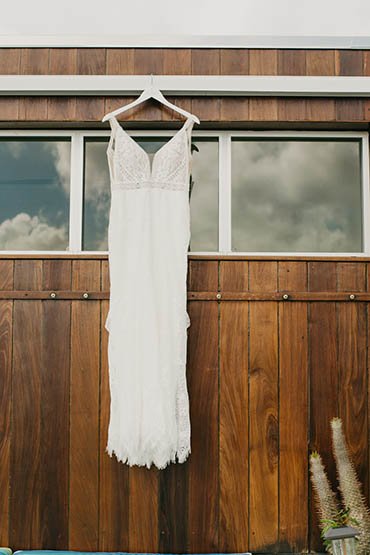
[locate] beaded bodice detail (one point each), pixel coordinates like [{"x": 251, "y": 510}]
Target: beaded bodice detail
[{"x": 130, "y": 166}]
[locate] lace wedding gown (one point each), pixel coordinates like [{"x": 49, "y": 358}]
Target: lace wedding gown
[{"x": 148, "y": 238}]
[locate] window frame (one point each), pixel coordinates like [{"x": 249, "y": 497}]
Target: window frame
[{"x": 77, "y": 138}]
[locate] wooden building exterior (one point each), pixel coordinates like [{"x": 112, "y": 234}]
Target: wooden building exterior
[{"x": 265, "y": 374}]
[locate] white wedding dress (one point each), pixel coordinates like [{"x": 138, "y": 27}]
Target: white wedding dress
[{"x": 148, "y": 238}]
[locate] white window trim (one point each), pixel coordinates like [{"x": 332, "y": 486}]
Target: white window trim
[
  {"x": 224, "y": 194},
  {"x": 186, "y": 85}
]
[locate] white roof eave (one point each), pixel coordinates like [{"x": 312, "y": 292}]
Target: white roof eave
[{"x": 185, "y": 41}]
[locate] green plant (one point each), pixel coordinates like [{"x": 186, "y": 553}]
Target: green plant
[
  {"x": 341, "y": 519},
  {"x": 350, "y": 488}
]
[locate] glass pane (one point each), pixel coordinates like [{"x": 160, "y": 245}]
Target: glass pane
[
  {"x": 296, "y": 196},
  {"x": 204, "y": 196},
  {"x": 34, "y": 190}
]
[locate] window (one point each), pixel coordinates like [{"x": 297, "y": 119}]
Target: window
[
  {"x": 273, "y": 192},
  {"x": 203, "y": 201},
  {"x": 34, "y": 185},
  {"x": 296, "y": 195}
]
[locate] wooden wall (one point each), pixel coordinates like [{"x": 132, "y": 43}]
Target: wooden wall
[
  {"x": 265, "y": 376},
  {"x": 128, "y": 61}
]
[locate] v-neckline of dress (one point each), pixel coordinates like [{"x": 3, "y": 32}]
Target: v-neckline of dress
[{"x": 182, "y": 128}]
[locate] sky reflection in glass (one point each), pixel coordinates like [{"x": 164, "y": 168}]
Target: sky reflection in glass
[
  {"x": 34, "y": 193},
  {"x": 296, "y": 196}
]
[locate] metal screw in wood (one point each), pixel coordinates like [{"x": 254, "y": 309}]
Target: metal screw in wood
[
  {"x": 85, "y": 295},
  {"x": 285, "y": 296},
  {"x": 53, "y": 295},
  {"x": 218, "y": 296},
  {"x": 352, "y": 297}
]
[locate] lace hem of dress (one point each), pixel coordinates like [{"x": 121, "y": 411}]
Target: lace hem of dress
[
  {"x": 161, "y": 454},
  {"x": 158, "y": 457}
]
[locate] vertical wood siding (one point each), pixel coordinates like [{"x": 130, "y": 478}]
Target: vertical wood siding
[
  {"x": 264, "y": 379},
  {"x": 184, "y": 61}
]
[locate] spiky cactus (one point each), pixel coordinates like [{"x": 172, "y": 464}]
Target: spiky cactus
[
  {"x": 350, "y": 487},
  {"x": 325, "y": 497}
]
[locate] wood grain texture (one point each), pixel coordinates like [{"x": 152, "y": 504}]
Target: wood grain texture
[
  {"x": 367, "y": 110},
  {"x": 352, "y": 369},
  {"x": 54, "y": 424},
  {"x": 322, "y": 276},
  {"x": 320, "y": 62},
  {"x": 54, "y": 416},
  {"x": 323, "y": 395},
  {"x": 293, "y": 276},
  {"x": 63, "y": 61},
  {"x": 89, "y": 108},
  {"x": 177, "y": 61},
  {"x": 349, "y": 109},
  {"x": 228, "y": 61},
  {"x": 320, "y": 109},
  {"x": 6, "y": 275},
  {"x": 120, "y": 61},
  {"x": 234, "y": 109},
  {"x": 206, "y": 504},
  {"x": 86, "y": 275},
  {"x": 323, "y": 378},
  {"x": 263, "y": 62},
  {"x": 234, "y": 61},
  {"x": 148, "y": 60},
  {"x": 233, "y": 527},
  {"x": 203, "y": 275},
  {"x": 263, "y": 276},
  {"x": 366, "y": 57},
  {"x": 10, "y": 61},
  {"x": 25, "y": 449},
  {"x": 351, "y": 276},
  {"x": 113, "y": 476},
  {"x": 206, "y": 109},
  {"x": 9, "y": 108},
  {"x": 202, "y": 372},
  {"x": 181, "y": 101},
  {"x": 205, "y": 61},
  {"x": 263, "y": 108},
  {"x": 34, "y": 61},
  {"x": 263, "y": 413},
  {"x": 6, "y": 333},
  {"x": 84, "y": 411},
  {"x": 292, "y": 109},
  {"x": 291, "y": 62},
  {"x": 348, "y": 62},
  {"x": 293, "y": 412},
  {"x": 173, "y": 517},
  {"x": 234, "y": 276},
  {"x": 33, "y": 108},
  {"x": 91, "y": 61},
  {"x": 143, "y": 504},
  {"x": 27, "y": 275},
  {"x": 57, "y": 274},
  {"x": 61, "y": 108},
  {"x": 114, "y": 102},
  {"x": 151, "y": 110}
]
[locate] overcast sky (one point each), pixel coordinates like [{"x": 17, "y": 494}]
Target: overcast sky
[{"x": 189, "y": 17}]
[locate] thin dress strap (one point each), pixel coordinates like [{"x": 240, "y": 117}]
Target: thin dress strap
[
  {"x": 114, "y": 126},
  {"x": 112, "y": 145}
]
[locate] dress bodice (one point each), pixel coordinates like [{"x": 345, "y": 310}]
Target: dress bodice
[{"x": 130, "y": 167}]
